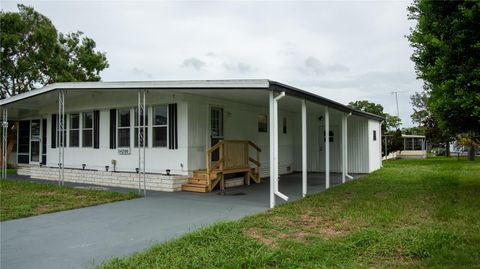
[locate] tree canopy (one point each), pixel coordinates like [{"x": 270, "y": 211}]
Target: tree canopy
[
  {"x": 33, "y": 53},
  {"x": 446, "y": 42},
  {"x": 391, "y": 122}
]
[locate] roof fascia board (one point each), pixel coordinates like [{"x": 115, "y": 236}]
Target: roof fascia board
[{"x": 277, "y": 86}]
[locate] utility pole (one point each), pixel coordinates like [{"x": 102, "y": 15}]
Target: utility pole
[{"x": 396, "y": 100}]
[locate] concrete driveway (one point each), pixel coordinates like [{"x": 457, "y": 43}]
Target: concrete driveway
[{"x": 88, "y": 236}]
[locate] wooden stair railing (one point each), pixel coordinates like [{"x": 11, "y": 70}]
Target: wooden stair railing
[{"x": 234, "y": 157}]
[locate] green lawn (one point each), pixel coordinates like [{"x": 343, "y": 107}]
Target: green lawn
[
  {"x": 23, "y": 199},
  {"x": 410, "y": 214}
]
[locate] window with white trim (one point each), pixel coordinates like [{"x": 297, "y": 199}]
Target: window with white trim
[
  {"x": 160, "y": 126},
  {"x": 123, "y": 128},
  {"x": 87, "y": 129},
  {"x": 74, "y": 131}
]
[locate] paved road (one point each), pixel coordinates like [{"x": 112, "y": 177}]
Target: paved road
[{"x": 84, "y": 237}]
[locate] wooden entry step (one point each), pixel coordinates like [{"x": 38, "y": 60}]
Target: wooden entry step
[{"x": 199, "y": 181}]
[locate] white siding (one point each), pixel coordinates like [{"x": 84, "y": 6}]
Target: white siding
[
  {"x": 375, "y": 161},
  {"x": 357, "y": 145},
  {"x": 316, "y": 143},
  {"x": 240, "y": 123},
  {"x": 157, "y": 159}
]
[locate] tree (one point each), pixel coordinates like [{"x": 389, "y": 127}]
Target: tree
[
  {"x": 419, "y": 105},
  {"x": 446, "y": 44},
  {"x": 34, "y": 54},
  {"x": 391, "y": 122},
  {"x": 426, "y": 121}
]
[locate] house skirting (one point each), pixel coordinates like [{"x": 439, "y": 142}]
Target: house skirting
[{"x": 156, "y": 182}]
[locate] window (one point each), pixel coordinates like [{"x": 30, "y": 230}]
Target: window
[
  {"x": 330, "y": 136},
  {"x": 374, "y": 135},
  {"x": 284, "y": 125},
  {"x": 87, "y": 129},
  {"x": 123, "y": 128},
  {"x": 74, "y": 130},
  {"x": 262, "y": 123},
  {"x": 144, "y": 137},
  {"x": 160, "y": 126}
]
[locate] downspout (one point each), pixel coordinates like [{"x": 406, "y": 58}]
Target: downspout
[
  {"x": 275, "y": 149},
  {"x": 346, "y": 151}
]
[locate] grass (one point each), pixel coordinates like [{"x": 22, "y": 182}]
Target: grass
[
  {"x": 409, "y": 214},
  {"x": 20, "y": 199}
]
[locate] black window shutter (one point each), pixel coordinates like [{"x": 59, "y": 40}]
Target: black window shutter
[
  {"x": 96, "y": 129},
  {"x": 113, "y": 128},
  {"x": 172, "y": 126},
  {"x": 54, "y": 131}
]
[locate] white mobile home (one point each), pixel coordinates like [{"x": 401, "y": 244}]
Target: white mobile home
[{"x": 164, "y": 132}]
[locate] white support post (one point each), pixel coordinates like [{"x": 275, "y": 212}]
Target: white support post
[
  {"x": 64, "y": 139},
  {"x": 4, "y": 143},
  {"x": 327, "y": 148},
  {"x": 61, "y": 137},
  {"x": 144, "y": 142},
  {"x": 344, "y": 148},
  {"x": 272, "y": 152},
  {"x": 304, "y": 148},
  {"x": 139, "y": 171},
  {"x": 58, "y": 142}
]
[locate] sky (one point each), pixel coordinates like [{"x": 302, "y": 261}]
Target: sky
[{"x": 342, "y": 50}]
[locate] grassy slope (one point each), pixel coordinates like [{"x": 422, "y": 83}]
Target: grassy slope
[
  {"x": 410, "y": 214},
  {"x": 22, "y": 199}
]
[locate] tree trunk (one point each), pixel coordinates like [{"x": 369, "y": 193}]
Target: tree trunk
[
  {"x": 447, "y": 149},
  {"x": 471, "y": 153}
]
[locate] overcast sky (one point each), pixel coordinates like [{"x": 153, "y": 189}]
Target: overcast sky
[{"x": 345, "y": 51}]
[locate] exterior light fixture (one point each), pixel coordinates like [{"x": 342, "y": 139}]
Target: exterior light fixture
[
  {"x": 83, "y": 166},
  {"x": 136, "y": 169},
  {"x": 168, "y": 172},
  {"x": 106, "y": 167}
]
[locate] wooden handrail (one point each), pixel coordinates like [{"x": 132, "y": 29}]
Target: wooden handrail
[
  {"x": 233, "y": 162},
  {"x": 255, "y": 146},
  {"x": 216, "y": 146},
  {"x": 257, "y": 163}
]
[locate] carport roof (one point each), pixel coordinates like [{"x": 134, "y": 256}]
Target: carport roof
[{"x": 260, "y": 84}]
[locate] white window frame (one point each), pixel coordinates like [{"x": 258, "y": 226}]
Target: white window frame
[{"x": 118, "y": 127}]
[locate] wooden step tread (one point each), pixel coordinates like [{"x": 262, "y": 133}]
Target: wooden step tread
[
  {"x": 194, "y": 187},
  {"x": 198, "y": 181}
]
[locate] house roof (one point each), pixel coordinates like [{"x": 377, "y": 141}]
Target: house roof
[{"x": 260, "y": 84}]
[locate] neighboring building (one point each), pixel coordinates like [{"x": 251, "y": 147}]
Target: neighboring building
[{"x": 183, "y": 119}]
